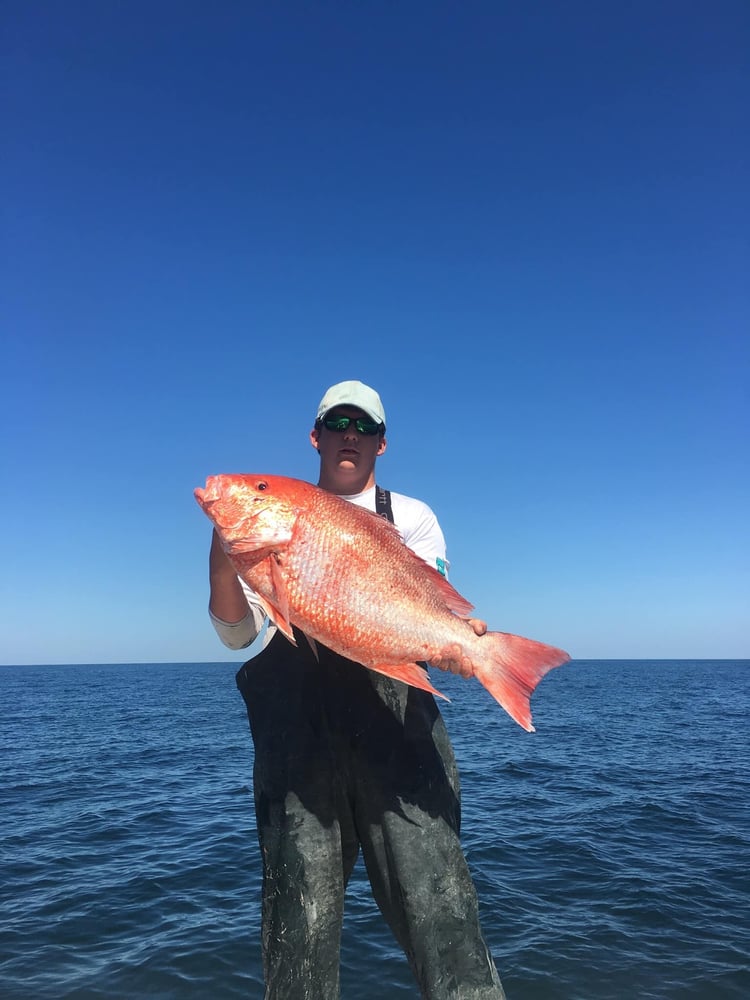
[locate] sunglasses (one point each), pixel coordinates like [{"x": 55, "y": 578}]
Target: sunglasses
[{"x": 340, "y": 424}]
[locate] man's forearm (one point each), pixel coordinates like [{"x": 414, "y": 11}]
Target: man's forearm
[{"x": 227, "y": 601}]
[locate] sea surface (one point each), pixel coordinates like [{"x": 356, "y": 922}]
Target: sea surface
[{"x": 610, "y": 849}]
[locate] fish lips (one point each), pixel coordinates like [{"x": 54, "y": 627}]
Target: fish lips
[
  {"x": 203, "y": 498},
  {"x": 211, "y": 493}
]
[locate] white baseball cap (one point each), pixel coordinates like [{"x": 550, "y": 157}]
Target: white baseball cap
[{"x": 353, "y": 394}]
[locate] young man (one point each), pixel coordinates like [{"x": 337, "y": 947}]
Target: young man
[{"x": 349, "y": 759}]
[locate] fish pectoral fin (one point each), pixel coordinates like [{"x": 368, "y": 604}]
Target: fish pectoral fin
[
  {"x": 279, "y": 585},
  {"x": 280, "y": 620},
  {"x": 278, "y": 609},
  {"x": 409, "y": 673}
]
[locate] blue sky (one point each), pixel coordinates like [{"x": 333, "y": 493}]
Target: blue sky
[{"x": 525, "y": 224}]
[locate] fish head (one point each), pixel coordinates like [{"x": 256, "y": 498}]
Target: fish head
[{"x": 251, "y": 513}]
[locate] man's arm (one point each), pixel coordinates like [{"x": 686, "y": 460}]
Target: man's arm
[
  {"x": 227, "y": 602},
  {"x": 235, "y": 615}
]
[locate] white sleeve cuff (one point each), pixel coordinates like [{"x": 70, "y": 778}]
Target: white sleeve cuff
[{"x": 238, "y": 635}]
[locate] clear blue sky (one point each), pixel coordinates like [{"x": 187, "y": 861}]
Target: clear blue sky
[{"x": 526, "y": 224}]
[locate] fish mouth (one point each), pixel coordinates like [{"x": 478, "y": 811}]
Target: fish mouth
[
  {"x": 203, "y": 498},
  {"x": 207, "y": 496},
  {"x": 210, "y": 493}
]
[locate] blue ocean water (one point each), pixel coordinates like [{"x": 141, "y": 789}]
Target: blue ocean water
[{"x": 610, "y": 849}]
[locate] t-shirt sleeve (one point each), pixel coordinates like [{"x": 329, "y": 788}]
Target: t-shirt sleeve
[
  {"x": 422, "y": 533},
  {"x": 238, "y": 635}
]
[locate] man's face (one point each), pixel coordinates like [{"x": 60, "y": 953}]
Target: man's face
[{"x": 347, "y": 451}]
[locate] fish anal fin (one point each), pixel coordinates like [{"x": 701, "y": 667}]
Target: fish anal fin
[{"x": 409, "y": 673}]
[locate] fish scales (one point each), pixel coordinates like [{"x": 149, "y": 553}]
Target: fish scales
[{"x": 342, "y": 581}]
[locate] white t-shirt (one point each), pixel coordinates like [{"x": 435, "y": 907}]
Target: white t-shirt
[{"x": 418, "y": 528}]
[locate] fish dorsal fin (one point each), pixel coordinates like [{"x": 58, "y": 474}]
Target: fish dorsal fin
[{"x": 454, "y": 601}]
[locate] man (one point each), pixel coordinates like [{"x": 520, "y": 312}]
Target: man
[{"x": 349, "y": 759}]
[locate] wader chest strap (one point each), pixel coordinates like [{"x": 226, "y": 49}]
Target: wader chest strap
[{"x": 383, "y": 503}]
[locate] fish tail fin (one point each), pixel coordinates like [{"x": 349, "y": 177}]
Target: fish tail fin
[{"x": 513, "y": 669}]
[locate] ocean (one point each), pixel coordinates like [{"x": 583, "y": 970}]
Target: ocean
[{"x": 610, "y": 849}]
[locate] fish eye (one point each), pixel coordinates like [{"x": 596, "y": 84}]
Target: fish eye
[{"x": 262, "y": 485}]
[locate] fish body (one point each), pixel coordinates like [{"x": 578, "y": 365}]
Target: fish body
[{"x": 346, "y": 579}]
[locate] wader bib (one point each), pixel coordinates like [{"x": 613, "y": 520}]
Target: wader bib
[{"x": 348, "y": 758}]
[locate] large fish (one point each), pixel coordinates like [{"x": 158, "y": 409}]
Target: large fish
[{"x": 346, "y": 579}]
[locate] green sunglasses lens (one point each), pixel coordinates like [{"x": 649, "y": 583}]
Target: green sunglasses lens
[
  {"x": 340, "y": 424},
  {"x": 367, "y": 427},
  {"x": 336, "y": 423}
]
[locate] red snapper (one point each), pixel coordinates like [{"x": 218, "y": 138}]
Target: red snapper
[{"x": 346, "y": 579}]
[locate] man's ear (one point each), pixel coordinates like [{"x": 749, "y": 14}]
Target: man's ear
[
  {"x": 314, "y": 435},
  {"x": 382, "y": 446}
]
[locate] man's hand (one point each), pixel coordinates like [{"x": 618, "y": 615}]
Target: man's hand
[{"x": 455, "y": 662}]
